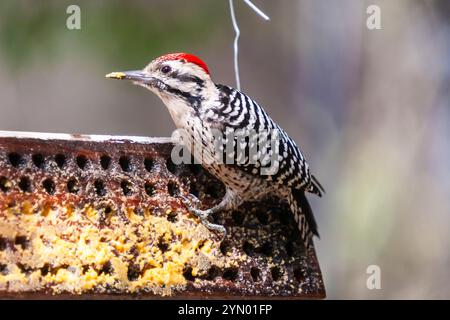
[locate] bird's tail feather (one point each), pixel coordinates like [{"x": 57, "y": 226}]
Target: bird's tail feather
[
  {"x": 316, "y": 187},
  {"x": 303, "y": 216}
]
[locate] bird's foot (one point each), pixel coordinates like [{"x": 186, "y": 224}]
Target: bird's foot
[{"x": 203, "y": 215}]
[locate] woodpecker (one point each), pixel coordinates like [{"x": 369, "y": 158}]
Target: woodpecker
[{"x": 201, "y": 108}]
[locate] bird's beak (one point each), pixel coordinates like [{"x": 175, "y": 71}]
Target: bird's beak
[{"x": 136, "y": 76}]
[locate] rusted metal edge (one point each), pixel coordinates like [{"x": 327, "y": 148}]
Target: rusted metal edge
[{"x": 82, "y": 137}]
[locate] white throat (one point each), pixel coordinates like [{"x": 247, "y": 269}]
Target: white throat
[
  {"x": 182, "y": 112},
  {"x": 179, "y": 110}
]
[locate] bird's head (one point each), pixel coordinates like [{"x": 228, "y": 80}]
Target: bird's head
[{"x": 172, "y": 77}]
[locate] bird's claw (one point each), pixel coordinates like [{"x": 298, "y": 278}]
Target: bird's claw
[
  {"x": 203, "y": 215},
  {"x": 216, "y": 227},
  {"x": 188, "y": 204}
]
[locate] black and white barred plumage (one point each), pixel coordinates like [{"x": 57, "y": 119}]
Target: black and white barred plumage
[
  {"x": 292, "y": 179},
  {"x": 202, "y": 109}
]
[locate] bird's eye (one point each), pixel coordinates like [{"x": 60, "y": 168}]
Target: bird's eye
[{"x": 166, "y": 69}]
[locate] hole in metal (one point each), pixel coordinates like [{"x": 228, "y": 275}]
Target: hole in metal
[
  {"x": 248, "y": 248},
  {"x": 126, "y": 187},
  {"x": 299, "y": 275},
  {"x": 3, "y": 269},
  {"x": 133, "y": 272},
  {"x": 266, "y": 249},
  {"x": 193, "y": 189},
  {"x": 139, "y": 211},
  {"x": 38, "y": 160},
  {"x": 201, "y": 244},
  {"x": 15, "y": 159},
  {"x": 60, "y": 160},
  {"x": 163, "y": 245},
  {"x": 55, "y": 269},
  {"x": 105, "y": 162},
  {"x": 276, "y": 273},
  {"x": 108, "y": 209},
  {"x": 230, "y": 274},
  {"x": 172, "y": 217},
  {"x": 172, "y": 188},
  {"x": 171, "y": 166},
  {"x": 125, "y": 163},
  {"x": 5, "y": 184},
  {"x": 105, "y": 214},
  {"x": 213, "y": 272},
  {"x": 148, "y": 163},
  {"x": 187, "y": 273},
  {"x": 255, "y": 273},
  {"x": 84, "y": 269},
  {"x": 225, "y": 247},
  {"x": 72, "y": 186},
  {"x": 22, "y": 241},
  {"x": 49, "y": 186},
  {"x": 3, "y": 243},
  {"x": 25, "y": 184},
  {"x": 25, "y": 269},
  {"x": 107, "y": 268},
  {"x": 81, "y": 162},
  {"x": 45, "y": 269},
  {"x": 99, "y": 187},
  {"x": 149, "y": 189}
]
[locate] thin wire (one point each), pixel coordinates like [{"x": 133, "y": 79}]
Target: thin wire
[
  {"x": 238, "y": 33},
  {"x": 236, "y": 45},
  {"x": 257, "y": 10}
]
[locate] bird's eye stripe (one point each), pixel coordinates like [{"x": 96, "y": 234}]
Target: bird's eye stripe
[{"x": 188, "y": 78}]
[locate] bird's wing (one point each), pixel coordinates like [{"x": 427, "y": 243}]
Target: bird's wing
[{"x": 278, "y": 158}]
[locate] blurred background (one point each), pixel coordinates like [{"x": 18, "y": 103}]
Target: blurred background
[{"x": 370, "y": 108}]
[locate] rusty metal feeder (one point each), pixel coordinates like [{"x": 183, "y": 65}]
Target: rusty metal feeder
[{"x": 100, "y": 216}]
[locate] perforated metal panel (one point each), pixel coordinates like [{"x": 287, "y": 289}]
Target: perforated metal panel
[{"x": 101, "y": 216}]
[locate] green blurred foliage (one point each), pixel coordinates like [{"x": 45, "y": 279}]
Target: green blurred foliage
[{"x": 131, "y": 31}]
